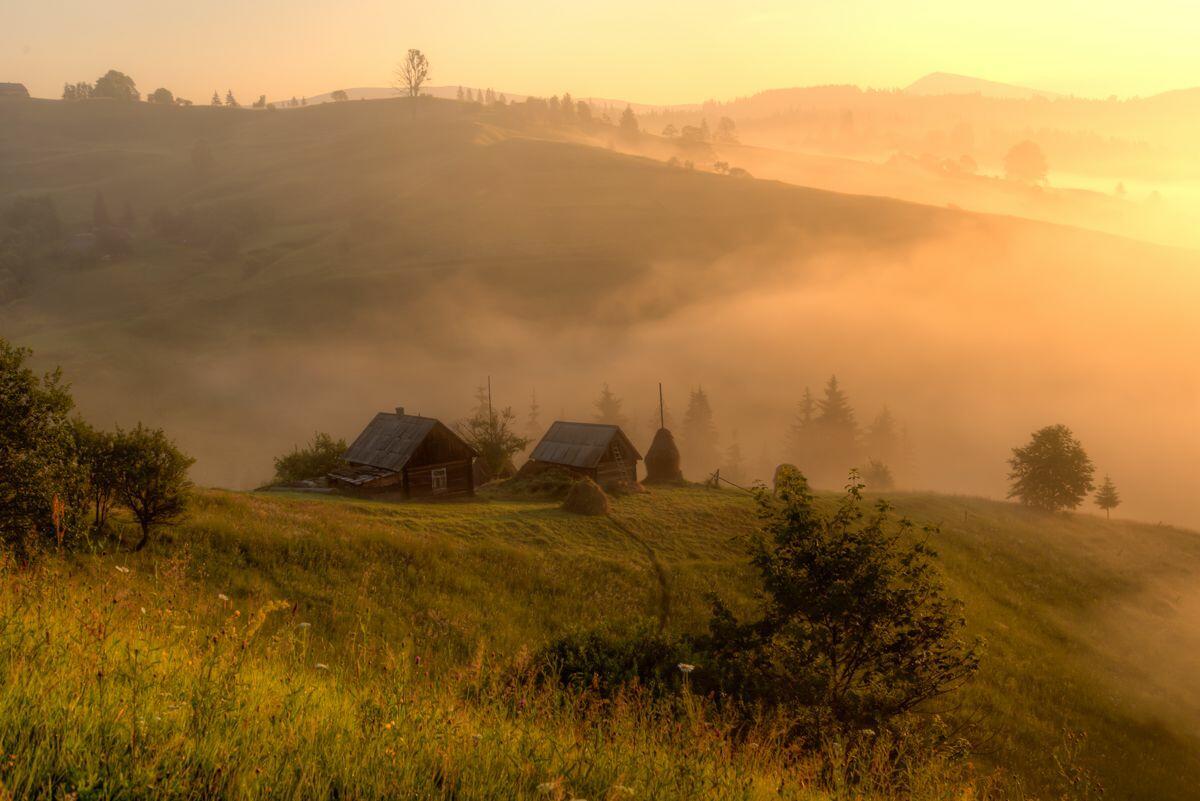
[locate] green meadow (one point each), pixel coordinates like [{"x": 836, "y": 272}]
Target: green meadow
[{"x": 290, "y": 646}]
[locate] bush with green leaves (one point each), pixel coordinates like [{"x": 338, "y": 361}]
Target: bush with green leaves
[
  {"x": 317, "y": 459},
  {"x": 855, "y": 630},
  {"x": 41, "y": 481}
]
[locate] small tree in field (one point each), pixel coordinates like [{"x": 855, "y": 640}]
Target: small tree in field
[
  {"x": 1053, "y": 472},
  {"x": 1107, "y": 497},
  {"x": 152, "y": 478},
  {"x": 412, "y": 72},
  {"x": 319, "y": 458},
  {"x": 1026, "y": 162},
  {"x": 492, "y": 433},
  {"x": 855, "y": 629},
  {"x": 97, "y": 451}
]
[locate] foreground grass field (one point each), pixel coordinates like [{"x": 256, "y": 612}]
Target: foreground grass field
[{"x": 290, "y": 646}]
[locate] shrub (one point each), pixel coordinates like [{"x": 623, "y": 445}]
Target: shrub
[
  {"x": 607, "y": 663},
  {"x": 41, "y": 482},
  {"x": 317, "y": 459},
  {"x": 855, "y": 630}
]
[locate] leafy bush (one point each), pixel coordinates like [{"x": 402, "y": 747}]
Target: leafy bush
[
  {"x": 317, "y": 459},
  {"x": 41, "y": 482},
  {"x": 151, "y": 478},
  {"x": 607, "y": 663},
  {"x": 855, "y": 630}
]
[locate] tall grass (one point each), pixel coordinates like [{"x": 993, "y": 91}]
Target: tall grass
[{"x": 123, "y": 683}]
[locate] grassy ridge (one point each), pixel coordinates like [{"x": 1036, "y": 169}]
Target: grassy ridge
[{"x": 471, "y": 586}]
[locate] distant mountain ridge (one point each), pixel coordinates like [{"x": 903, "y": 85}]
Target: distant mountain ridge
[{"x": 948, "y": 83}]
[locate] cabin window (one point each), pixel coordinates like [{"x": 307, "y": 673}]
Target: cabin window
[{"x": 438, "y": 476}]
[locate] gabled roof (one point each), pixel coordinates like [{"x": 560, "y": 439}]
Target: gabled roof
[
  {"x": 580, "y": 445},
  {"x": 388, "y": 441}
]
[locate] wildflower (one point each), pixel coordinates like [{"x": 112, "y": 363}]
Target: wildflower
[
  {"x": 305, "y": 625},
  {"x": 143, "y": 610},
  {"x": 122, "y": 569},
  {"x": 685, "y": 668},
  {"x": 321, "y": 666},
  {"x": 223, "y": 597}
]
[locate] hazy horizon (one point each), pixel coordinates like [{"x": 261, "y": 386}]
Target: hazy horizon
[{"x": 666, "y": 57}]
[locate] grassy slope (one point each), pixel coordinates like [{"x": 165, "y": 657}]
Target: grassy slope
[{"x": 1053, "y": 597}]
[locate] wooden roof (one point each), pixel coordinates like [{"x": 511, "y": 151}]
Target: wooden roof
[
  {"x": 390, "y": 440},
  {"x": 580, "y": 445}
]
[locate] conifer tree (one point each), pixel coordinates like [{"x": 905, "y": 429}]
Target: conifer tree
[
  {"x": 629, "y": 123},
  {"x": 1107, "y": 497},
  {"x": 881, "y": 441},
  {"x": 800, "y": 436},
  {"x": 700, "y": 435},
  {"x": 489, "y": 97},
  {"x": 216, "y": 99},
  {"x": 230, "y": 100},
  {"x": 735, "y": 465},
  {"x": 835, "y": 435},
  {"x": 608, "y": 408},
  {"x": 460, "y": 94}
]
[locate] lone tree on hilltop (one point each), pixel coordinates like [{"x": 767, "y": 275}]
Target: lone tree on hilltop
[
  {"x": 339, "y": 96},
  {"x": 152, "y": 478},
  {"x": 162, "y": 96},
  {"x": 116, "y": 86},
  {"x": 1052, "y": 472},
  {"x": 1026, "y": 162},
  {"x": 1107, "y": 497},
  {"x": 412, "y": 72}
]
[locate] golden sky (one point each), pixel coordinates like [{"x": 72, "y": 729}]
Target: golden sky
[{"x": 650, "y": 51}]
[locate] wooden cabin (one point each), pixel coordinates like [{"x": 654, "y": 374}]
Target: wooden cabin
[
  {"x": 416, "y": 456},
  {"x": 599, "y": 451}
]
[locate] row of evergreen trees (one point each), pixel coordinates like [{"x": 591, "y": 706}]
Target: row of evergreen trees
[{"x": 825, "y": 440}]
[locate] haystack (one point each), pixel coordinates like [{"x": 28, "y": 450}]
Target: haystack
[
  {"x": 662, "y": 460},
  {"x": 586, "y": 498},
  {"x": 786, "y": 473}
]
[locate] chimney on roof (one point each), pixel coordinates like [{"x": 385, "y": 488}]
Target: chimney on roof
[{"x": 400, "y": 411}]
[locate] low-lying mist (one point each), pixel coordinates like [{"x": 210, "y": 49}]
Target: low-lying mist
[{"x": 973, "y": 338}]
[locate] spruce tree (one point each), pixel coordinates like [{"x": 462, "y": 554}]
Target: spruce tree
[
  {"x": 836, "y": 435},
  {"x": 881, "y": 442},
  {"x": 230, "y": 100},
  {"x": 700, "y": 435},
  {"x": 1107, "y": 497},
  {"x": 801, "y": 433},
  {"x": 608, "y": 408},
  {"x": 629, "y": 123}
]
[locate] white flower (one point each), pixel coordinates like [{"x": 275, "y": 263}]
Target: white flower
[
  {"x": 685, "y": 668},
  {"x": 122, "y": 569},
  {"x": 223, "y": 597},
  {"x": 143, "y": 610},
  {"x": 321, "y": 666}
]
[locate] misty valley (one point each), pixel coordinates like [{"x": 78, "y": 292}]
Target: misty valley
[{"x": 435, "y": 441}]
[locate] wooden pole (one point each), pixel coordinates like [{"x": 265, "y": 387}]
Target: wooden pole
[{"x": 662, "y": 415}]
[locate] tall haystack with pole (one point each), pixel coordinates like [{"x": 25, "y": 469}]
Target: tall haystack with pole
[{"x": 662, "y": 460}]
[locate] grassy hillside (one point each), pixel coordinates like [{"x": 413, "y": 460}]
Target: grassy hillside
[
  {"x": 1077, "y": 613},
  {"x": 347, "y": 258}
]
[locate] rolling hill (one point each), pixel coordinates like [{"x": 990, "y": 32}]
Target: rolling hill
[
  {"x": 1089, "y": 625},
  {"x": 947, "y": 83},
  {"x": 326, "y": 262}
]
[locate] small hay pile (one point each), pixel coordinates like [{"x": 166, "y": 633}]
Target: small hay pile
[
  {"x": 548, "y": 483},
  {"x": 586, "y": 498},
  {"x": 662, "y": 460}
]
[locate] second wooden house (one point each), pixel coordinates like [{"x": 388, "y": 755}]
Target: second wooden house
[{"x": 599, "y": 451}]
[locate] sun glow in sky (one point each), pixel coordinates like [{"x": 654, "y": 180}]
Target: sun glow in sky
[{"x": 650, "y": 51}]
